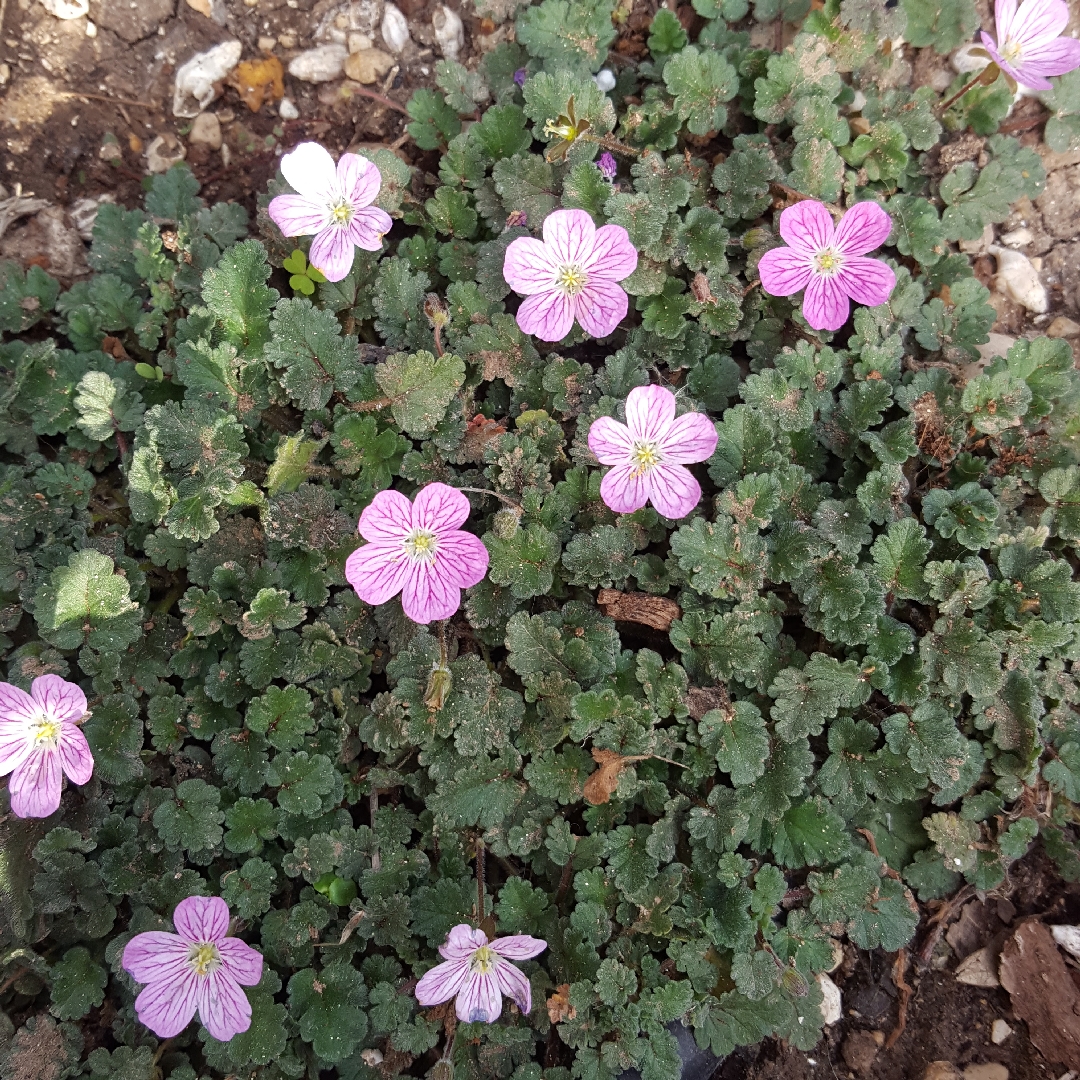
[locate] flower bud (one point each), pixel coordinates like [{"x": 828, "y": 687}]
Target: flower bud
[
  {"x": 506, "y": 523},
  {"x": 437, "y": 312},
  {"x": 755, "y": 238},
  {"x": 516, "y": 218},
  {"x": 438, "y": 687}
]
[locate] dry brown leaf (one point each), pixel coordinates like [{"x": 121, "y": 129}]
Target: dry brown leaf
[
  {"x": 655, "y": 611},
  {"x": 258, "y": 81},
  {"x": 601, "y": 784},
  {"x": 558, "y": 1005}
]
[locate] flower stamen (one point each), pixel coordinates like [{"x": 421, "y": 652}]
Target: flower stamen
[
  {"x": 827, "y": 261},
  {"x": 421, "y": 545},
  {"x": 571, "y": 278},
  {"x": 645, "y": 456},
  {"x": 482, "y": 961},
  {"x": 341, "y": 212},
  {"x": 203, "y": 957},
  {"x": 46, "y": 733}
]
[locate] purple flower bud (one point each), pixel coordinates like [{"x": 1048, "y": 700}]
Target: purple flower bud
[
  {"x": 519, "y": 76},
  {"x": 607, "y": 166}
]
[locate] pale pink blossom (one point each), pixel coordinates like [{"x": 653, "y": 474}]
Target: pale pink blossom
[
  {"x": 649, "y": 454},
  {"x": 570, "y": 274},
  {"x": 478, "y": 972},
  {"x": 1029, "y": 46},
  {"x": 332, "y": 202},
  {"x": 39, "y": 740},
  {"x": 829, "y": 263},
  {"x": 417, "y": 549},
  {"x": 199, "y": 968}
]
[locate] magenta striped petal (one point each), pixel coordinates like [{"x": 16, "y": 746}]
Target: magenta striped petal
[
  {"x": 518, "y": 946},
  {"x": 442, "y": 982},
  {"x": 461, "y": 559},
  {"x": 807, "y": 226},
  {"x": 864, "y": 227},
  {"x": 17, "y": 705},
  {"x": 427, "y": 596},
  {"x": 570, "y": 235},
  {"x": 310, "y": 171},
  {"x": 358, "y": 179},
  {"x": 612, "y": 256},
  {"x": 168, "y": 1006},
  {"x": 75, "y": 757},
  {"x": 649, "y": 411},
  {"x": 368, "y": 227},
  {"x": 34, "y": 786},
  {"x": 377, "y": 571},
  {"x": 16, "y": 745},
  {"x": 332, "y": 252},
  {"x": 692, "y": 437},
  {"x": 600, "y": 307},
  {"x": 241, "y": 961},
  {"x": 784, "y": 270},
  {"x": 297, "y": 215},
  {"x": 610, "y": 441},
  {"x": 202, "y": 918},
  {"x": 546, "y": 315},
  {"x": 479, "y": 999},
  {"x": 156, "y": 956},
  {"x": 61, "y": 700},
  {"x": 387, "y": 517},
  {"x": 440, "y": 508},
  {"x": 1056, "y": 57},
  {"x": 462, "y": 942},
  {"x": 513, "y": 983},
  {"x": 825, "y": 304},
  {"x": 223, "y": 1006},
  {"x": 1037, "y": 21},
  {"x": 1004, "y": 13},
  {"x": 623, "y": 489},
  {"x": 866, "y": 281},
  {"x": 673, "y": 490},
  {"x": 529, "y": 266}
]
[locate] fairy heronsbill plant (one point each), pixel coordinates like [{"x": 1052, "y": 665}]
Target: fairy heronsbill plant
[{"x": 592, "y": 356}]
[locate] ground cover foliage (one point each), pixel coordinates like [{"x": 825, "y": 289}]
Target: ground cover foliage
[{"x": 879, "y": 617}]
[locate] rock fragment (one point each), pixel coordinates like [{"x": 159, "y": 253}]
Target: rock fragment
[
  {"x": 322, "y": 64},
  {"x": 449, "y": 31},
  {"x": 194, "y": 87},
  {"x": 368, "y": 65},
  {"x": 206, "y": 131},
  {"x": 395, "y": 28}
]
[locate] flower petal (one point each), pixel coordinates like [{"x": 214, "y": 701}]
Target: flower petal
[
  {"x": 17, "y": 705},
  {"x": 546, "y": 315},
  {"x": 673, "y": 490},
  {"x": 156, "y": 956},
  {"x": 297, "y": 215},
  {"x": 784, "y": 271},
  {"x": 427, "y": 596},
  {"x": 479, "y": 999},
  {"x": 570, "y": 234},
  {"x": 223, "y": 1006},
  {"x": 1037, "y": 22},
  {"x": 16, "y": 744},
  {"x": 600, "y": 306},
  {"x": 462, "y": 942},
  {"x": 518, "y": 946},
  {"x": 310, "y": 171},
  {"x": 1031, "y": 80},
  {"x": 613, "y": 256},
  {"x": 60, "y": 699},
  {"x": 649, "y": 411},
  {"x": 610, "y": 441},
  {"x": 440, "y": 508},
  {"x": 75, "y": 757},
  {"x": 368, "y": 227},
  {"x": 1004, "y": 13},
  {"x": 864, "y": 227},
  {"x": 461, "y": 559},
  {"x": 34, "y": 786},
  {"x": 441, "y": 983},
  {"x": 166, "y": 1007},
  {"x": 358, "y": 180},
  {"x": 1056, "y": 57},
  {"x": 623, "y": 489},
  {"x": 825, "y": 303},
  {"x": 691, "y": 437},
  {"x": 332, "y": 252},
  {"x": 867, "y": 281},
  {"x": 529, "y": 266},
  {"x": 807, "y": 226},
  {"x": 377, "y": 571},
  {"x": 387, "y": 517},
  {"x": 202, "y": 918},
  {"x": 514, "y": 984},
  {"x": 241, "y": 961}
]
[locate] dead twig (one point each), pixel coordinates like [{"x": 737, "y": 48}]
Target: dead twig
[
  {"x": 906, "y": 991},
  {"x": 939, "y": 920}
]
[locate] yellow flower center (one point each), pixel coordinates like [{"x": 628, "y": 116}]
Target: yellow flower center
[
  {"x": 421, "y": 545},
  {"x": 341, "y": 212},
  {"x": 646, "y": 456},
  {"x": 1011, "y": 52},
  {"x": 827, "y": 262},
  {"x": 203, "y": 957},
  {"x": 564, "y": 130},
  {"x": 482, "y": 961},
  {"x": 46, "y": 733},
  {"x": 571, "y": 279}
]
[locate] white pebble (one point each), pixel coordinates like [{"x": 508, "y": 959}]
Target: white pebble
[
  {"x": 322, "y": 64},
  {"x": 66, "y": 9},
  {"x": 1068, "y": 937},
  {"x": 999, "y": 1032},
  {"x": 1018, "y": 278},
  {"x": 287, "y": 110},
  {"x": 831, "y": 1006},
  {"x": 449, "y": 31},
  {"x": 395, "y": 28},
  {"x": 605, "y": 79},
  {"x": 193, "y": 88},
  {"x": 1018, "y": 238},
  {"x": 91, "y": 28}
]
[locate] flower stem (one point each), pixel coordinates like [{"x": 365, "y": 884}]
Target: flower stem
[
  {"x": 373, "y": 809},
  {"x": 985, "y": 77},
  {"x": 484, "y": 491},
  {"x": 609, "y": 142},
  {"x": 481, "y": 897}
]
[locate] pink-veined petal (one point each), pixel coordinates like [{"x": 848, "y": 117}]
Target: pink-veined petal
[
  {"x": 461, "y": 559},
  {"x": 441, "y": 983},
  {"x": 1034, "y": 82},
  {"x": 613, "y": 256},
  {"x": 167, "y": 1007},
  {"x": 623, "y": 489},
  {"x": 387, "y": 517},
  {"x": 1036, "y": 22},
  {"x": 223, "y": 1006},
  {"x": 518, "y": 946},
  {"x": 864, "y": 227},
  {"x": 297, "y": 215},
  {"x": 358, "y": 180},
  {"x": 377, "y": 571},
  {"x": 332, "y": 252},
  {"x": 866, "y": 281},
  {"x": 649, "y": 411},
  {"x": 60, "y": 699},
  {"x": 600, "y": 306},
  {"x": 784, "y": 271},
  {"x": 570, "y": 235},
  {"x": 673, "y": 490},
  {"x": 368, "y": 227},
  {"x": 692, "y": 437},
  {"x": 17, "y": 705},
  {"x": 610, "y": 441},
  {"x": 440, "y": 508},
  {"x": 34, "y": 786},
  {"x": 462, "y": 942},
  {"x": 202, "y": 918},
  {"x": 1056, "y": 57},
  {"x": 479, "y": 999},
  {"x": 1004, "y": 13},
  {"x": 427, "y": 596},
  {"x": 155, "y": 956},
  {"x": 514, "y": 985},
  {"x": 825, "y": 303},
  {"x": 75, "y": 757},
  {"x": 310, "y": 171},
  {"x": 16, "y": 744},
  {"x": 241, "y": 961},
  {"x": 529, "y": 266},
  {"x": 546, "y": 315},
  {"x": 807, "y": 226}
]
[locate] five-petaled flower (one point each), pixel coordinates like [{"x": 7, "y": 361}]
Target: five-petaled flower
[
  {"x": 1029, "y": 46},
  {"x": 829, "y": 263},
  {"x": 479, "y": 972},
  {"x": 418, "y": 550},
  {"x": 39, "y": 740},
  {"x": 198, "y": 967},
  {"x": 570, "y": 274},
  {"x": 332, "y": 202},
  {"x": 649, "y": 454}
]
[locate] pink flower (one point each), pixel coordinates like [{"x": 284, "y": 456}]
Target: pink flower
[
  {"x": 1029, "y": 46},
  {"x": 478, "y": 972},
  {"x": 570, "y": 275},
  {"x": 829, "y": 262},
  {"x": 38, "y": 740},
  {"x": 417, "y": 549},
  {"x": 649, "y": 453},
  {"x": 198, "y": 967},
  {"x": 334, "y": 204}
]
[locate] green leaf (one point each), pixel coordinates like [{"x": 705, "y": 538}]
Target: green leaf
[
  {"x": 739, "y": 740},
  {"x": 78, "y": 985},
  {"x": 945, "y": 24},
  {"x": 105, "y": 406},
  {"x": 434, "y": 122},
  {"x": 899, "y": 557},
  {"x": 235, "y": 291},
  {"x": 702, "y": 84},
  {"x": 282, "y": 715},
  {"x": 571, "y": 35},
  {"x": 328, "y": 1007},
  {"x": 191, "y": 818},
  {"x": 419, "y": 387},
  {"x": 1062, "y": 132},
  {"x": 525, "y": 561}
]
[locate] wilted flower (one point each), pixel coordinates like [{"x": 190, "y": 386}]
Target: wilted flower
[
  {"x": 334, "y": 203},
  {"x": 417, "y": 549},
  {"x": 649, "y": 453},
  {"x": 829, "y": 262},
  {"x": 570, "y": 274},
  {"x": 39, "y": 740},
  {"x": 477, "y": 971},
  {"x": 1029, "y": 46},
  {"x": 607, "y": 166},
  {"x": 519, "y": 76},
  {"x": 197, "y": 968}
]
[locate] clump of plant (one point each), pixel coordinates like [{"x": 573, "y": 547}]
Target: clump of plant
[{"x": 602, "y": 586}]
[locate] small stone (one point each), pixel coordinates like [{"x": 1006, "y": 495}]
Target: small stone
[
  {"x": 942, "y": 1070},
  {"x": 978, "y": 969},
  {"x": 287, "y": 110},
  {"x": 83, "y": 213},
  {"x": 1018, "y": 238},
  {"x": 163, "y": 153},
  {"x": 66, "y": 9},
  {"x": 1018, "y": 278},
  {"x": 980, "y": 244},
  {"x": 319, "y": 65},
  {"x": 266, "y": 44},
  {"x": 831, "y": 1006},
  {"x": 110, "y": 149},
  {"x": 859, "y": 1050},
  {"x": 359, "y": 42},
  {"x": 287, "y": 40},
  {"x": 605, "y": 80},
  {"x": 201, "y": 6},
  {"x": 206, "y": 131},
  {"x": 449, "y": 31},
  {"x": 197, "y": 81},
  {"x": 1059, "y": 328},
  {"x": 368, "y": 66},
  {"x": 395, "y": 28},
  {"x": 5, "y": 74},
  {"x": 371, "y": 1057},
  {"x": 989, "y": 1070},
  {"x": 999, "y": 1032},
  {"x": 91, "y": 29}
]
